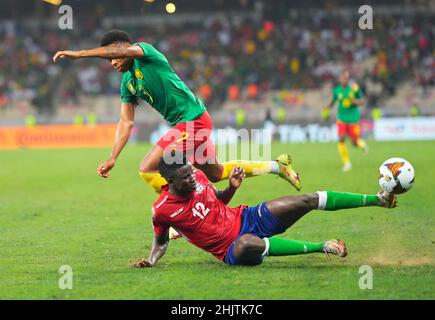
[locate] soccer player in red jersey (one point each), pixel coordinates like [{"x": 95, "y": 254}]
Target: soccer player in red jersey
[{"x": 240, "y": 235}]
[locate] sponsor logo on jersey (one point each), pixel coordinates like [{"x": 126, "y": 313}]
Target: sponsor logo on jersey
[
  {"x": 175, "y": 213},
  {"x": 199, "y": 188},
  {"x": 138, "y": 74},
  {"x": 346, "y": 103},
  {"x": 395, "y": 168}
]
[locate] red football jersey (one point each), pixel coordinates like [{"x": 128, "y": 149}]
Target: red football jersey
[{"x": 201, "y": 218}]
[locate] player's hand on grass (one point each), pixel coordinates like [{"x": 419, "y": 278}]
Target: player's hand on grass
[
  {"x": 103, "y": 169},
  {"x": 141, "y": 263},
  {"x": 66, "y": 54},
  {"x": 236, "y": 177}
]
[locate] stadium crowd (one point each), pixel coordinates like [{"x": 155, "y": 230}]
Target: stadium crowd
[{"x": 225, "y": 58}]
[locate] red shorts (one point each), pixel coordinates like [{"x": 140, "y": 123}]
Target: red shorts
[
  {"x": 192, "y": 137},
  {"x": 348, "y": 129}
]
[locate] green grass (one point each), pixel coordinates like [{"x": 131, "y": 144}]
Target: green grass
[{"x": 55, "y": 210}]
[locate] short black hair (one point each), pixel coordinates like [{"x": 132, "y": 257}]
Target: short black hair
[
  {"x": 115, "y": 36},
  {"x": 171, "y": 162}
]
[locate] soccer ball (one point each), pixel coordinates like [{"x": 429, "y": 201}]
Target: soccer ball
[{"x": 396, "y": 175}]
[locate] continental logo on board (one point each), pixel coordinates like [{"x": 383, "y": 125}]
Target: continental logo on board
[{"x": 57, "y": 136}]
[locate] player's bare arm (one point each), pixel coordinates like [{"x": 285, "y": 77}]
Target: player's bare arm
[
  {"x": 235, "y": 181},
  {"x": 331, "y": 104},
  {"x": 114, "y": 51},
  {"x": 160, "y": 244},
  {"x": 125, "y": 124}
]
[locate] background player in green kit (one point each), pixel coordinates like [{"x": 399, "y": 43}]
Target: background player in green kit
[
  {"x": 349, "y": 99},
  {"x": 148, "y": 75}
]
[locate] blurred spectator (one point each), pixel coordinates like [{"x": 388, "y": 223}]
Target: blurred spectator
[
  {"x": 279, "y": 48},
  {"x": 233, "y": 92}
]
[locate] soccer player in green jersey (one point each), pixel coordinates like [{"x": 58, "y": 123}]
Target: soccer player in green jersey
[
  {"x": 349, "y": 99},
  {"x": 148, "y": 75}
]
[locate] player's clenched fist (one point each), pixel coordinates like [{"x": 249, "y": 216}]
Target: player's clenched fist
[
  {"x": 104, "y": 168},
  {"x": 236, "y": 177}
]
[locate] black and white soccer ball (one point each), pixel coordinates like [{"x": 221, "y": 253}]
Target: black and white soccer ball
[{"x": 396, "y": 175}]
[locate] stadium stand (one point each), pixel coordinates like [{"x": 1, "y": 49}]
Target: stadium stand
[{"x": 229, "y": 60}]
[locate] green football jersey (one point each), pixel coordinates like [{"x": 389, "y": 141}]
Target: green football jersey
[
  {"x": 153, "y": 80},
  {"x": 347, "y": 112}
]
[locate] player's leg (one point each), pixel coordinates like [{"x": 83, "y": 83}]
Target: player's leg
[
  {"x": 148, "y": 169},
  {"x": 342, "y": 148},
  {"x": 206, "y": 159},
  {"x": 174, "y": 139},
  {"x": 289, "y": 210},
  {"x": 262, "y": 222},
  {"x": 275, "y": 216},
  {"x": 247, "y": 250},
  {"x": 250, "y": 249},
  {"x": 282, "y": 167},
  {"x": 355, "y": 136}
]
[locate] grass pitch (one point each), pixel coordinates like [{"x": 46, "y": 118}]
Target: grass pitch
[{"x": 55, "y": 210}]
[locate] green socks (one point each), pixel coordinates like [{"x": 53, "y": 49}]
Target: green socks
[
  {"x": 328, "y": 200},
  {"x": 333, "y": 200},
  {"x": 285, "y": 247}
]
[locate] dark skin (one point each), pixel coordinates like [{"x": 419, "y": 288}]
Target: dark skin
[
  {"x": 287, "y": 210},
  {"x": 248, "y": 247},
  {"x": 121, "y": 56},
  {"x": 182, "y": 184},
  {"x": 344, "y": 81}
]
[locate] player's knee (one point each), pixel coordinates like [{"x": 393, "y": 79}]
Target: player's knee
[
  {"x": 213, "y": 175},
  {"x": 254, "y": 260},
  {"x": 145, "y": 166},
  {"x": 247, "y": 244},
  {"x": 311, "y": 200},
  {"x": 242, "y": 245},
  {"x": 249, "y": 248}
]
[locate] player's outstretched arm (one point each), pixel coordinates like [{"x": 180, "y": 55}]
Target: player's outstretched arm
[
  {"x": 108, "y": 52},
  {"x": 235, "y": 181},
  {"x": 160, "y": 244},
  {"x": 125, "y": 124}
]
